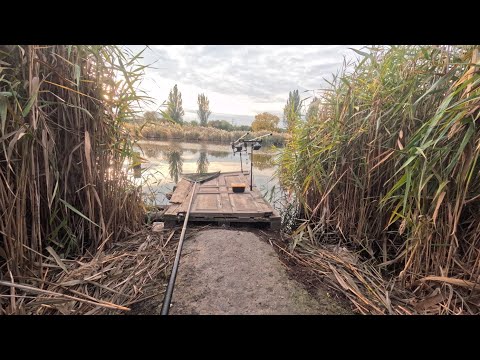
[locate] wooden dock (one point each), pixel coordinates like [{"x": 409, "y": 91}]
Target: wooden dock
[{"x": 214, "y": 200}]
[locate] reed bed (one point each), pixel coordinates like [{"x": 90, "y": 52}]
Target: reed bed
[
  {"x": 390, "y": 165},
  {"x": 62, "y": 149},
  {"x": 166, "y": 131}
]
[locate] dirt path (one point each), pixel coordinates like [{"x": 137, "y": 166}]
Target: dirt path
[{"x": 236, "y": 272}]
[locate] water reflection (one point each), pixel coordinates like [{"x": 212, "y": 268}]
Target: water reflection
[
  {"x": 175, "y": 163},
  {"x": 219, "y": 154},
  {"x": 202, "y": 163},
  {"x": 168, "y": 160},
  {"x": 263, "y": 161},
  {"x": 151, "y": 151}
]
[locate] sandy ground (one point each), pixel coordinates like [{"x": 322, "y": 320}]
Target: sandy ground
[{"x": 235, "y": 272}]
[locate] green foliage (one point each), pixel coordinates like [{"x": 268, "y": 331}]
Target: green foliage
[
  {"x": 242, "y": 128},
  {"x": 174, "y": 110},
  {"x": 291, "y": 111},
  {"x": 221, "y": 124},
  {"x": 227, "y": 126}
]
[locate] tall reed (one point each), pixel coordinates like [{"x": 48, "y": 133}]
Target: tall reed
[
  {"x": 62, "y": 151},
  {"x": 391, "y": 162}
]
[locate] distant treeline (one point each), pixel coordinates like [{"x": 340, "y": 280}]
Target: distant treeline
[
  {"x": 157, "y": 118},
  {"x": 187, "y": 132},
  {"x": 223, "y": 125}
]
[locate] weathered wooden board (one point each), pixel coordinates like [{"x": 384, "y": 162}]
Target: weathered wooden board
[
  {"x": 215, "y": 200},
  {"x": 181, "y": 192}
]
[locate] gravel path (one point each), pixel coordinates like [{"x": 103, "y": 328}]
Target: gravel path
[{"x": 235, "y": 272}]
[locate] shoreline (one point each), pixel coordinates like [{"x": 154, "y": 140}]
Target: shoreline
[{"x": 194, "y": 141}]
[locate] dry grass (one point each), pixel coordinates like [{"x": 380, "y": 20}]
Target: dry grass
[
  {"x": 108, "y": 282},
  {"x": 370, "y": 292}
]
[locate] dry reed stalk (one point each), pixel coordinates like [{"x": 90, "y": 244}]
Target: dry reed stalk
[
  {"x": 107, "y": 283},
  {"x": 62, "y": 151}
]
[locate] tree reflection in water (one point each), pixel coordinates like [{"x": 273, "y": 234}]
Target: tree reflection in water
[
  {"x": 219, "y": 154},
  {"x": 263, "y": 161},
  {"x": 175, "y": 163},
  {"x": 202, "y": 162}
]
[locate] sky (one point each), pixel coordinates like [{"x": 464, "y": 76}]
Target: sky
[{"x": 240, "y": 81}]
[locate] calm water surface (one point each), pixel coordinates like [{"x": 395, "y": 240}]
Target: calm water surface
[{"x": 167, "y": 160}]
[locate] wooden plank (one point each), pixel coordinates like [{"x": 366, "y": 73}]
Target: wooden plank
[
  {"x": 262, "y": 204},
  {"x": 242, "y": 202},
  {"x": 212, "y": 189},
  {"x": 221, "y": 181},
  {"x": 183, "y": 208},
  {"x": 172, "y": 210},
  {"x": 214, "y": 217},
  {"x": 207, "y": 202},
  {"x": 226, "y": 205},
  {"x": 234, "y": 178},
  {"x": 180, "y": 207},
  {"x": 215, "y": 200},
  {"x": 234, "y": 214},
  {"x": 212, "y": 182},
  {"x": 181, "y": 192}
]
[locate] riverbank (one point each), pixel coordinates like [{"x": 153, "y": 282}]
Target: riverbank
[{"x": 166, "y": 131}]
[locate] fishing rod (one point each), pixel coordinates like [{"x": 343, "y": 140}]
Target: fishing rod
[
  {"x": 259, "y": 137},
  {"x": 241, "y": 137}
]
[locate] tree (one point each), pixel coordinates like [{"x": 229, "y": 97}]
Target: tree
[
  {"x": 203, "y": 109},
  {"x": 221, "y": 124},
  {"x": 265, "y": 121},
  {"x": 226, "y": 125},
  {"x": 291, "y": 111},
  {"x": 242, "y": 128},
  {"x": 174, "y": 106}
]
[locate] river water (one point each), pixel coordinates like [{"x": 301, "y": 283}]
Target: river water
[{"x": 165, "y": 161}]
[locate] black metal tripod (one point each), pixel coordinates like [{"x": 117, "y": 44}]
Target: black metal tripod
[{"x": 255, "y": 144}]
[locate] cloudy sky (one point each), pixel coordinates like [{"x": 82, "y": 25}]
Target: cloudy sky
[{"x": 239, "y": 80}]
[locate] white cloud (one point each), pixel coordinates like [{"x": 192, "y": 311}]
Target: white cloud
[{"x": 239, "y": 80}]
